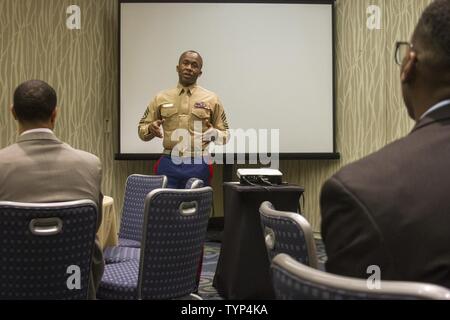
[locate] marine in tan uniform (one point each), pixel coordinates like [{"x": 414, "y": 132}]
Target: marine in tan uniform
[{"x": 190, "y": 116}]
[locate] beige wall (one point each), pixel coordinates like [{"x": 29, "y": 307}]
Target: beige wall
[{"x": 82, "y": 66}]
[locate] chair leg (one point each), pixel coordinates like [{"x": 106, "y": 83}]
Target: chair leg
[{"x": 199, "y": 270}]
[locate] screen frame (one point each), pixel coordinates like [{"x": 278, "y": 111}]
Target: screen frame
[{"x": 281, "y": 156}]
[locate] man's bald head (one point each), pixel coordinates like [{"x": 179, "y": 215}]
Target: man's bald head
[
  {"x": 425, "y": 72},
  {"x": 432, "y": 35}
]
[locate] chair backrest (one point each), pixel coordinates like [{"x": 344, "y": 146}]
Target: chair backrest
[
  {"x": 136, "y": 189},
  {"x": 194, "y": 183},
  {"x": 174, "y": 232},
  {"x": 293, "y": 280},
  {"x": 46, "y": 249},
  {"x": 287, "y": 232}
]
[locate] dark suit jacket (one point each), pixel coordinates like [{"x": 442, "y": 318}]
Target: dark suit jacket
[
  {"x": 392, "y": 208},
  {"x": 41, "y": 168}
]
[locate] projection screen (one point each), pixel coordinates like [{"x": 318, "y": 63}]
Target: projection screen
[{"x": 271, "y": 64}]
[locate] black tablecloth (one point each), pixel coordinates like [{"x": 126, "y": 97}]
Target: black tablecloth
[{"x": 243, "y": 269}]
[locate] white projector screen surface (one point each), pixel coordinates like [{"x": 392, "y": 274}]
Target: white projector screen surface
[{"x": 271, "y": 65}]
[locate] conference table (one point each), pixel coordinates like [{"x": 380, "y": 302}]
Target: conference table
[{"x": 108, "y": 232}]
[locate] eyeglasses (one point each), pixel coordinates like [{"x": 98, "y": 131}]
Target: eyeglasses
[{"x": 401, "y": 50}]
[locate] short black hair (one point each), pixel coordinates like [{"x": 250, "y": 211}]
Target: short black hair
[
  {"x": 434, "y": 28},
  {"x": 192, "y": 51},
  {"x": 34, "y": 100}
]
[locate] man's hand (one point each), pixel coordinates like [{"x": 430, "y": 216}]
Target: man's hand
[
  {"x": 155, "y": 128},
  {"x": 210, "y": 134}
]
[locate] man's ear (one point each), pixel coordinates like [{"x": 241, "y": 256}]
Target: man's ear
[
  {"x": 13, "y": 112},
  {"x": 178, "y": 68},
  {"x": 409, "y": 67},
  {"x": 200, "y": 73},
  {"x": 53, "y": 116}
]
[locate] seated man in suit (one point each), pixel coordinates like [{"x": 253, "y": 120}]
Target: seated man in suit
[
  {"x": 392, "y": 208},
  {"x": 41, "y": 168}
]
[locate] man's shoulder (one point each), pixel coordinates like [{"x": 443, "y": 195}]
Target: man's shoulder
[
  {"x": 81, "y": 155},
  {"x": 9, "y": 151},
  {"x": 378, "y": 166},
  {"x": 18, "y": 156}
]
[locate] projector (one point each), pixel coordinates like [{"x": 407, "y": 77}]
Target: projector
[{"x": 261, "y": 176}]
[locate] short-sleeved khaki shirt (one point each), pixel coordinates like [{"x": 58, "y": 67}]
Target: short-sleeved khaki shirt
[{"x": 185, "y": 108}]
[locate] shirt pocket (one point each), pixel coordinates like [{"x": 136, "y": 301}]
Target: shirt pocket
[
  {"x": 199, "y": 117},
  {"x": 169, "y": 115}
]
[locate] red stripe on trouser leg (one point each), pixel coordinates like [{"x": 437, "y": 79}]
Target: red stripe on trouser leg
[
  {"x": 155, "y": 167},
  {"x": 211, "y": 173}
]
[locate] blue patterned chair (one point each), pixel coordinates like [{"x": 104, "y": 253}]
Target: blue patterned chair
[
  {"x": 293, "y": 280},
  {"x": 46, "y": 249},
  {"x": 174, "y": 232},
  {"x": 123, "y": 252},
  {"x": 194, "y": 183},
  {"x": 136, "y": 189},
  {"x": 287, "y": 232}
]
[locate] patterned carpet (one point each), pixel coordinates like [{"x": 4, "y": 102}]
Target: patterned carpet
[{"x": 210, "y": 258}]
